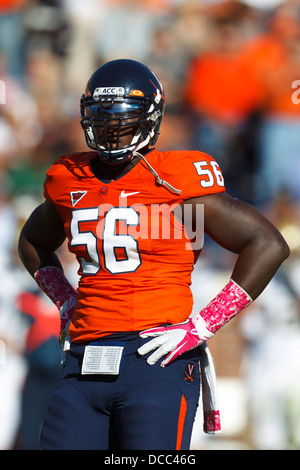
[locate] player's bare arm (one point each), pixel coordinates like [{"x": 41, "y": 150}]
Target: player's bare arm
[
  {"x": 241, "y": 229},
  {"x": 41, "y": 236}
]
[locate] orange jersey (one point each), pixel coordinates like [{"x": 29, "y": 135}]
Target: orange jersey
[{"x": 135, "y": 258}]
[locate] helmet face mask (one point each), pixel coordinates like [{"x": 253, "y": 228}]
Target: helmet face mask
[{"x": 124, "y": 117}]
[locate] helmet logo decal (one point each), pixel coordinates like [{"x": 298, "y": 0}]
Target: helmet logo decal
[
  {"x": 136, "y": 93},
  {"x": 108, "y": 90}
]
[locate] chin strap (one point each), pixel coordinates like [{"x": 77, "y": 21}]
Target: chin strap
[{"x": 159, "y": 180}]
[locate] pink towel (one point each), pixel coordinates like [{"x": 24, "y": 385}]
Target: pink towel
[{"x": 210, "y": 401}]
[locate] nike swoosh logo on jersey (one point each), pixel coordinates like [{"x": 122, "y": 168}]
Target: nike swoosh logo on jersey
[{"x": 123, "y": 194}]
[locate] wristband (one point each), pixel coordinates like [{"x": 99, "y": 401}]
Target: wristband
[
  {"x": 226, "y": 305},
  {"x": 55, "y": 285}
]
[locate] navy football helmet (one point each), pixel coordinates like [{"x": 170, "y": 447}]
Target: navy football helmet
[{"x": 122, "y": 109}]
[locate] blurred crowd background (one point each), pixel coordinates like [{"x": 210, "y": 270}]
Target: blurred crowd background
[{"x": 231, "y": 72}]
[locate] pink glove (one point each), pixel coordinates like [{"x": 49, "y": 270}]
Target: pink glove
[
  {"x": 177, "y": 338},
  {"x": 182, "y": 337}
]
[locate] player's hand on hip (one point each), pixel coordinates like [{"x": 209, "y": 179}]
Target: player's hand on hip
[
  {"x": 175, "y": 340},
  {"x": 179, "y": 338}
]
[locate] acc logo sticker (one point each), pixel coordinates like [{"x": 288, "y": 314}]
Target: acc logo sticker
[
  {"x": 109, "y": 90},
  {"x": 189, "y": 373}
]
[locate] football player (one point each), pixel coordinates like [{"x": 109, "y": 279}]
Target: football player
[{"x": 130, "y": 213}]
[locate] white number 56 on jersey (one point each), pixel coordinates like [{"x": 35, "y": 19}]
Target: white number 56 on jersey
[
  {"x": 110, "y": 240},
  {"x": 211, "y": 172}
]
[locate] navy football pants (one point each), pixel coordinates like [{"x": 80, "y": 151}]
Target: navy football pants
[{"x": 143, "y": 408}]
